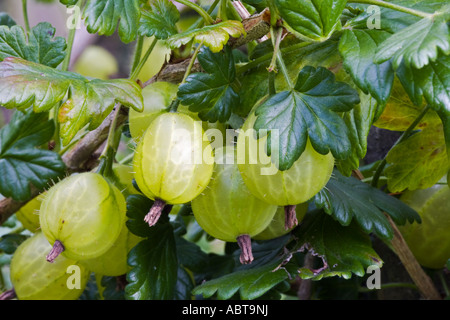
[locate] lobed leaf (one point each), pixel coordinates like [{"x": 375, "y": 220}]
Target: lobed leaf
[
  {"x": 159, "y": 19},
  {"x": 250, "y": 284},
  {"x": 154, "y": 265},
  {"x": 40, "y": 47},
  {"x": 211, "y": 93},
  {"x": 104, "y": 17},
  {"x": 417, "y": 44},
  {"x": 358, "y": 48},
  {"x": 314, "y": 20},
  {"x": 344, "y": 250},
  {"x": 347, "y": 198},
  {"x": 22, "y": 163},
  {"x": 310, "y": 109},
  {"x": 24, "y": 84}
]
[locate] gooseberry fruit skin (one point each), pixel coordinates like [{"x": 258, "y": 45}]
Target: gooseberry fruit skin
[
  {"x": 157, "y": 98},
  {"x": 114, "y": 261},
  {"x": 85, "y": 213},
  {"x": 307, "y": 176},
  {"x": 276, "y": 228},
  {"x": 429, "y": 240},
  {"x": 227, "y": 209},
  {"x": 173, "y": 162},
  {"x": 28, "y": 215},
  {"x": 33, "y": 278}
]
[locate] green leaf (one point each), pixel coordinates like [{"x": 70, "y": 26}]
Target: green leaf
[
  {"x": 250, "y": 284},
  {"x": 213, "y": 36},
  {"x": 24, "y": 84},
  {"x": 184, "y": 285},
  {"x": 419, "y": 162},
  {"x": 103, "y": 17},
  {"x": 159, "y": 19},
  {"x": 6, "y": 20},
  {"x": 344, "y": 250},
  {"x": 295, "y": 55},
  {"x": 358, "y": 48},
  {"x": 359, "y": 120},
  {"x": 111, "y": 291},
  {"x": 211, "y": 93},
  {"x": 41, "y": 47},
  {"x": 311, "y": 19},
  {"x": 154, "y": 265},
  {"x": 417, "y": 44},
  {"x": 23, "y": 164},
  {"x": 10, "y": 242},
  {"x": 346, "y": 198},
  {"x": 309, "y": 110}
]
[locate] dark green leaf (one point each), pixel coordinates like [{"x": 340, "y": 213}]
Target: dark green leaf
[
  {"x": 159, "y": 18},
  {"x": 309, "y": 110},
  {"x": 24, "y": 84},
  {"x": 250, "y": 284},
  {"x": 417, "y": 44},
  {"x": 311, "y": 19},
  {"x": 112, "y": 291},
  {"x": 358, "y": 49},
  {"x": 154, "y": 265},
  {"x": 10, "y": 242},
  {"x": 41, "y": 47},
  {"x": 347, "y": 198},
  {"x": 190, "y": 255},
  {"x": 296, "y": 55},
  {"x": 184, "y": 285},
  {"x": 103, "y": 17},
  {"x": 359, "y": 120},
  {"x": 211, "y": 93},
  {"x": 343, "y": 250},
  {"x": 137, "y": 207},
  {"x": 6, "y": 20},
  {"x": 23, "y": 164}
]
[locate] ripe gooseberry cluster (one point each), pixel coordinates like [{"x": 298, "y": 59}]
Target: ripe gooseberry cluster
[
  {"x": 81, "y": 219},
  {"x": 231, "y": 200},
  {"x": 78, "y": 224}
]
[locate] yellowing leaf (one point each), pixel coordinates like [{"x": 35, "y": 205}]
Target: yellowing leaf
[
  {"x": 214, "y": 36},
  {"x": 418, "y": 162},
  {"x": 400, "y": 112}
]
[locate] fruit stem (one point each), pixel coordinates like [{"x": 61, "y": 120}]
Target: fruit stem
[
  {"x": 57, "y": 249},
  {"x": 153, "y": 215},
  {"x": 8, "y": 295},
  {"x": 245, "y": 244},
  {"x": 290, "y": 217}
]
